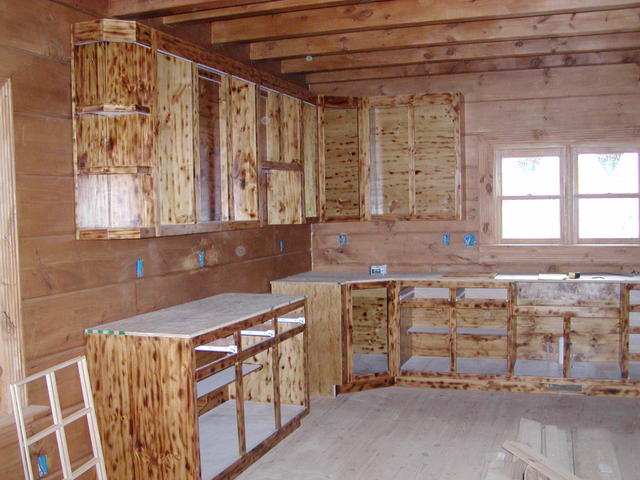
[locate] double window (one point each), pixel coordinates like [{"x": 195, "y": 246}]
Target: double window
[{"x": 568, "y": 195}]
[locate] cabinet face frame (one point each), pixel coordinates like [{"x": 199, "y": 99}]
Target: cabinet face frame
[{"x": 349, "y": 379}]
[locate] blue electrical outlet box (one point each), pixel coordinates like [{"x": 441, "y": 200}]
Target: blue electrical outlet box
[
  {"x": 342, "y": 239},
  {"x": 446, "y": 239},
  {"x": 201, "y": 258},
  {"x": 281, "y": 243},
  {"x": 43, "y": 469},
  {"x": 470, "y": 240},
  {"x": 139, "y": 268}
]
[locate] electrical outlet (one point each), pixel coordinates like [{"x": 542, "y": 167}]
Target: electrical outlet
[
  {"x": 281, "y": 244},
  {"x": 377, "y": 269},
  {"x": 139, "y": 268},
  {"x": 446, "y": 239},
  {"x": 201, "y": 258},
  {"x": 43, "y": 468},
  {"x": 470, "y": 240},
  {"x": 342, "y": 239}
]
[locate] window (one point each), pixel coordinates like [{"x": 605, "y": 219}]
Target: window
[{"x": 569, "y": 194}]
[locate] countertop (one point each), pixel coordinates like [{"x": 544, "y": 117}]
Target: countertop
[
  {"x": 192, "y": 319},
  {"x": 345, "y": 277}
]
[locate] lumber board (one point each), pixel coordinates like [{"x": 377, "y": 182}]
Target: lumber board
[
  {"x": 175, "y": 149},
  {"x": 462, "y": 52},
  {"x": 378, "y": 15},
  {"x": 291, "y": 114},
  {"x": 370, "y": 322},
  {"x": 595, "y": 455},
  {"x": 309, "y": 150},
  {"x": 566, "y": 24}
]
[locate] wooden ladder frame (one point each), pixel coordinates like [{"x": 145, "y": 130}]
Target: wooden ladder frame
[{"x": 60, "y": 422}]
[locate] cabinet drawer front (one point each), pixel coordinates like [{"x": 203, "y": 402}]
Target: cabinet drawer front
[
  {"x": 568, "y": 294},
  {"x": 481, "y": 318},
  {"x": 527, "y": 325}
]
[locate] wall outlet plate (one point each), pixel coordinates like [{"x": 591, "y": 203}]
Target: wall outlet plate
[
  {"x": 201, "y": 258},
  {"x": 139, "y": 268},
  {"x": 342, "y": 239},
  {"x": 377, "y": 269},
  {"x": 281, "y": 245},
  {"x": 470, "y": 240},
  {"x": 43, "y": 469},
  {"x": 446, "y": 239}
]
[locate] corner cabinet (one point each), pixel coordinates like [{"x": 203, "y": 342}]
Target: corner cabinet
[
  {"x": 166, "y": 144},
  {"x": 392, "y": 157},
  {"x": 199, "y": 390}
]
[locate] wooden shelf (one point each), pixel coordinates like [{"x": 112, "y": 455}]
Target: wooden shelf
[
  {"x": 112, "y": 109},
  {"x": 114, "y": 170},
  {"x": 116, "y": 233},
  {"x": 428, "y": 330}
]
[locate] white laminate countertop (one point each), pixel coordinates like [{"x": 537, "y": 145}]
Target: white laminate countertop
[
  {"x": 343, "y": 277},
  {"x": 192, "y": 319}
]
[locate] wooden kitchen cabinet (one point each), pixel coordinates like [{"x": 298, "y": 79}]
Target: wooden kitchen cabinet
[
  {"x": 467, "y": 332},
  {"x": 199, "y": 390}
]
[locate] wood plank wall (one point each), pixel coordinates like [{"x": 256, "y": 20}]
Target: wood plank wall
[
  {"x": 68, "y": 285},
  {"x": 511, "y": 106}
]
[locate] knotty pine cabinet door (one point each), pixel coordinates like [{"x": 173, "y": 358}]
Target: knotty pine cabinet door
[{"x": 396, "y": 157}]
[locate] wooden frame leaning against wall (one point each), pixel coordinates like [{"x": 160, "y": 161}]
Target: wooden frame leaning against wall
[{"x": 11, "y": 363}]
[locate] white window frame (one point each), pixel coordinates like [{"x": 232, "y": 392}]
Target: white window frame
[{"x": 569, "y": 195}]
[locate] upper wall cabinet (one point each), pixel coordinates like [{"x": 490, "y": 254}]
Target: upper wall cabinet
[
  {"x": 396, "y": 157},
  {"x": 344, "y": 154},
  {"x": 165, "y": 144}
]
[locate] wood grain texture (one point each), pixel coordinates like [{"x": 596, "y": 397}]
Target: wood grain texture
[
  {"x": 309, "y": 125},
  {"x": 284, "y": 197},
  {"x": 370, "y": 321},
  {"x": 341, "y": 180},
  {"x": 567, "y": 24},
  {"x": 243, "y": 155},
  {"x": 291, "y": 136},
  {"x": 11, "y": 358},
  {"x": 175, "y": 144},
  {"x": 324, "y": 325}
]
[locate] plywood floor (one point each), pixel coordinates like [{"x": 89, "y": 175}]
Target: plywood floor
[{"x": 403, "y": 433}]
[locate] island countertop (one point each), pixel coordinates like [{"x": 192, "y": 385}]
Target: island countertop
[{"x": 192, "y": 319}]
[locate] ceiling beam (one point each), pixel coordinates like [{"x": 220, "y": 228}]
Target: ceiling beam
[
  {"x": 469, "y": 51},
  {"x": 586, "y": 23},
  {"x": 154, "y": 8},
  {"x": 393, "y": 14},
  {"x": 255, "y": 9},
  {"x": 476, "y": 66}
]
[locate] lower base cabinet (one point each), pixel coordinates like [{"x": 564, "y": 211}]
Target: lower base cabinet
[
  {"x": 200, "y": 390},
  {"x": 470, "y": 333}
]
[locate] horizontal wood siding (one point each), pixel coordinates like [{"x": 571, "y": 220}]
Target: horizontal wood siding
[
  {"x": 69, "y": 285},
  {"x": 545, "y": 105}
]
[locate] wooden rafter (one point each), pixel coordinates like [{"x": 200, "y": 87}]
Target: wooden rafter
[
  {"x": 471, "y": 66},
  {"x": 391, "y": 14},
  {"x": 255, "y": 9},
  {"x": 588, "y": 23},
  {"x": 151, "y": 8},
  {"x": 462, "y": 52}
]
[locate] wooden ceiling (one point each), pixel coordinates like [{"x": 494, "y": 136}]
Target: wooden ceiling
[{"x": 343, "y": 40}]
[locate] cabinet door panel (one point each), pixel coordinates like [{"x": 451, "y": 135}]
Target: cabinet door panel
[
  {"x": 175, "y": 140},
  {"x": 290, "y": 131},
  {"x": 284, "y": 197},
  {"x": 436, "y": 161},
  {"x": 243, "y": 160},
  {"x": 342, "y": 193},
  {"x": 391, "y": 161}
]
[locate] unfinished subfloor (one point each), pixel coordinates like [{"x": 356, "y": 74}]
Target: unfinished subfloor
[{"x": 404, "y": 433}]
